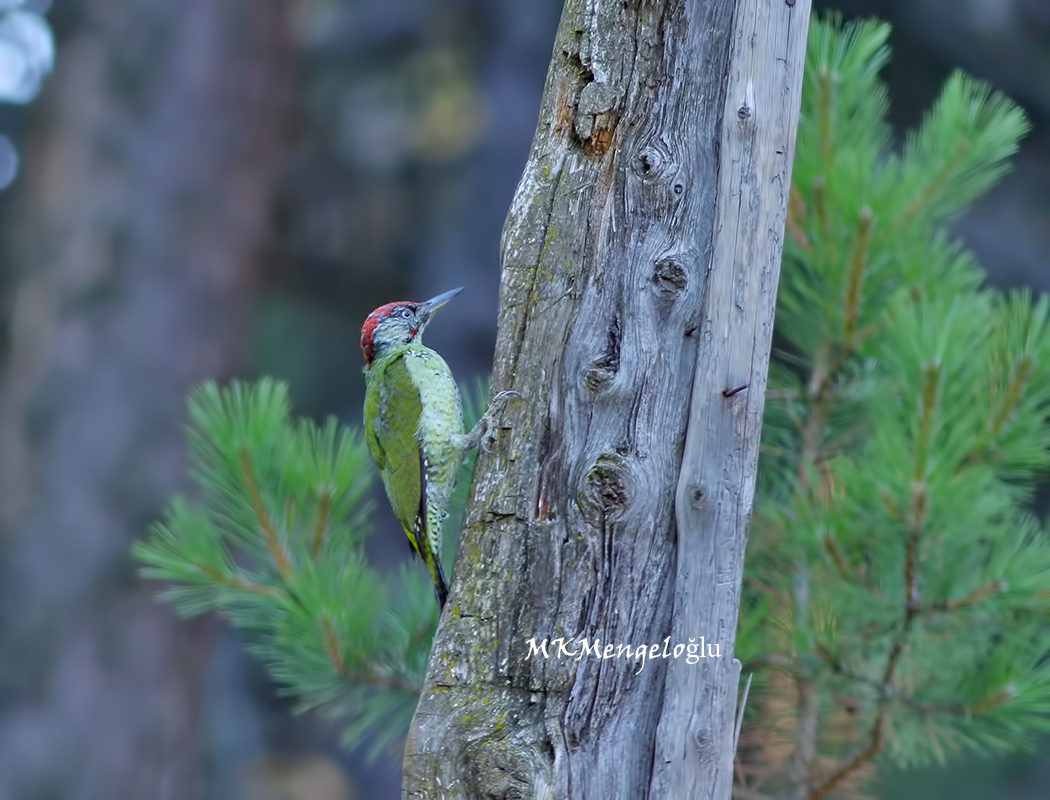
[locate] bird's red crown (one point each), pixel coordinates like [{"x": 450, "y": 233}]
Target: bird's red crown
[{"x": 373, "y": 319}]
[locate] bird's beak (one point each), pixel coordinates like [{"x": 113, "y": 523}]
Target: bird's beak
[{"x": 434, "y": 303}]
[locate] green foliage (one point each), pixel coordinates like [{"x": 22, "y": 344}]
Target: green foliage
[
  {"x": 274, "y": 544},
  {"x": 892, "y": 568}
]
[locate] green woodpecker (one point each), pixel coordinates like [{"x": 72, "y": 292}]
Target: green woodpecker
[{"x": 414, "y": 424}]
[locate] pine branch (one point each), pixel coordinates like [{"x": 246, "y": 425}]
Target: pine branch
[
  {"x": 911, "y": 610},
  {"x": 921, "y": 202},
  {"x": 369, "y": 674},
  {"x": 855, "y": 277},
  {"x": 1020, "y": 374},
  {"x": 239, "y": 584},
  {"x": 888, "y": 692},
  {"x": 331, "y": 630},
  {"x": 870, "y": 750},
  {"x": 796, "y": 211},
  {"x": 892, "y": 352},
  {"x": 377, "y": 676},
  {"x": 280, "y": 557},
  {"x": 321, "y": 523},
  {"x": 986, "y": 589},
  {"x": 806, "y": 702}
]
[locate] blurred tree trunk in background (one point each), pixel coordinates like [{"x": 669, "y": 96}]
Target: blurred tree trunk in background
[{"x": 143, "y": 211}]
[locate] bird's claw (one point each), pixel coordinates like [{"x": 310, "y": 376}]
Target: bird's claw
[
  {"x": 488, "y": 425},
  {"x": 501, "y": 398}
]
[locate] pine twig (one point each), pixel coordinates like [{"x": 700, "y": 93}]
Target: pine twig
[
  {"x": 371, "y": 675},
  {"x": 911, "y": 610},
  {"x": 378, "y": 676},
  {"x": 240, "y": 584},
  {"x": 323, "y": 502},
  {"x": 825, "y": 104},
  {"x": 869, "y": 752},
  {"x": 889, "y": 692},
  {"x": 923, "y": 198},
  {"x": 986, "y": 589},
  {"x": 273, "y": 544},
  {"x": 994, "y": 699},
  {"x": 796, "y": 210},
  {"x": 1019, "y": 375},
  {"x": 858, "y": 260},
  {"x": 331, "y": 646},
  {"x": 837, "y": 558},
  {"x": 806, "y": 709}
]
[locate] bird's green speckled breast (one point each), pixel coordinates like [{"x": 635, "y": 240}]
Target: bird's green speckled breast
[{"x": 412, "y": 409}]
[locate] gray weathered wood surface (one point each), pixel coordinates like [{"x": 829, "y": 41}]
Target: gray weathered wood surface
[
  {"x": 644, "y": 239},
  {"x": 694, "y": 754}
]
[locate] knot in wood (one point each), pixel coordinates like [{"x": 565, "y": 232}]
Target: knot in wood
[
  {"x": 598, "y": 377},
  {"x": 498, "y": 769},
  {"x": 607, "y": 488},
  {"x": 745, "y": 112},
  {"x": 696, "y": 495},
  {"x": 669, "y": 276},
  {"x": 654, "y": 163},
  {"x": 703, "y": 744}
]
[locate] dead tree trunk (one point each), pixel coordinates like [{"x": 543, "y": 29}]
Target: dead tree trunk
[{"x": 640, "y": 262}]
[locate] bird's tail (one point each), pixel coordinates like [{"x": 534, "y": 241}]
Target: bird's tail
[
  {"x": 433, "y": 563},
  {"x": 440, "y": 584}
]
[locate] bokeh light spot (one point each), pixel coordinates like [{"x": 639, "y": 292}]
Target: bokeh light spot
[{"x": 27, "y": 54}]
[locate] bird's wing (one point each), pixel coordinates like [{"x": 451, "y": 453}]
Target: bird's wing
[
  {"x": 372, "y": 421},
  {"x": 393, "y": 442}
]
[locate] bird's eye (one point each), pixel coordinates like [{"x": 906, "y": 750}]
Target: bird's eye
[{"x": 406, "y": 313}]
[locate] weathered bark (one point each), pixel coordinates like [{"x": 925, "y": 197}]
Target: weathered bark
[
  {"x": 694, "y": 753},
  {"x": 644, "y": 240},
  {"x": 143, "y": 212}
]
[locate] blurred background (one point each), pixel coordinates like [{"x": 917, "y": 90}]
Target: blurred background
[{"x": 219, "y": 188}]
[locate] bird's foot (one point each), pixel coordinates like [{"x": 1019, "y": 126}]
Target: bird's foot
[
  {"x": 488, "y": 438},
  {"x": 484, "y": 433}
]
